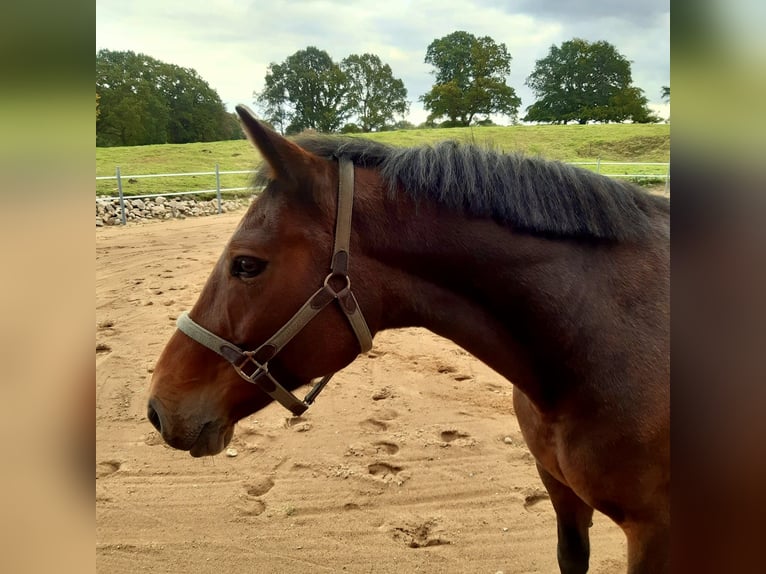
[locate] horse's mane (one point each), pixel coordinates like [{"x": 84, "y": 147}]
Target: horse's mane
[{"x": 526, "y": 193}]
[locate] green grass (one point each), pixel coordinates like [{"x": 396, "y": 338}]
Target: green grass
[
  {"x": 610, "y": 143},
  {"x": 614, "y": 142},
  {"x": 174, "y": 158}
]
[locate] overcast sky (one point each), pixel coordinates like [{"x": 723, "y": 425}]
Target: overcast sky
[{"x": 232, "y": 42}]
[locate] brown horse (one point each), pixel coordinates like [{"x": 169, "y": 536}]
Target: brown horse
[{"x": 556, "y": 277}]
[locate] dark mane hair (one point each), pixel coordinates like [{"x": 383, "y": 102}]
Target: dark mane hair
[{"x": 526, "y": 193}]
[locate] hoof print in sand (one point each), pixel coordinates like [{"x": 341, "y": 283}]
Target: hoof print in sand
[
  {"x": 107, "y": 467},
  {"x": 252, "y": 507},
  {"x": 373, "y": 425},
  {"x": 383, "y": 469},
  {"x": 457, "y": 438},
  {"x": 298, "y": 424},
  {"x": 387, "y": 447},
  {"x": 533, "y": 497},
  {"x": 249, "y": 503},
  {"x": 259, "y": 486},
  {"x": 452, "y": 434},
  {"x": 388, "y": 473},
  {"x": 421, "y": 534}
]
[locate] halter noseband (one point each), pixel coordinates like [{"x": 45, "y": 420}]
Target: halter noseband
[{"x": 258, "y": 360}]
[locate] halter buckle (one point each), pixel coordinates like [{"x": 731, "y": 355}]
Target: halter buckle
[{"x": 247, "y": 358}]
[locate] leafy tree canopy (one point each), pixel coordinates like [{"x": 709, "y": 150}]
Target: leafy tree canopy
[
  {"x": 585, "y": 81},
  {"x": 470, "y": 77},
  {"x": 142, "y": 100},
  {"x": 307, "y": 91},
  {"x": 310, "y": 91},
  {"x": 374, "y": 95}
]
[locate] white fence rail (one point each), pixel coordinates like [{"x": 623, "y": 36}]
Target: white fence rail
[{"x": 218, "y": 189}]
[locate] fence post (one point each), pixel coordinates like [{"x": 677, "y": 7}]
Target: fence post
[
  {"x": 667, "y": 181},
  {"x": 122, "y": 199},
  {"x": 218, "y": 187},
  {"x": 598, "y": 165}
]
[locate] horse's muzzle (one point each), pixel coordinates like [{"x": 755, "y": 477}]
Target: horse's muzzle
[{"x": 200, "y": 438}]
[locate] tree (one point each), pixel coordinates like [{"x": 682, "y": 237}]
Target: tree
[
  {"x": 307, "y": 91},
  {"x": 470, "y": 79},
  {"x": 196, "y": 111},
  {"x": 374, "y": 95},
  {"x": 583, "y": 81},
  {"x": 232, "y": 130},
  {"x": 131, "y": 110},
  {"x": 665, "y": 93},
  {"x": 403, "y": 125},
  {"x": 142, "y": 100}
]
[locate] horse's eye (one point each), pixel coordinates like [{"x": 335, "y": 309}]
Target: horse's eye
[{"x": 246, "y": 267}]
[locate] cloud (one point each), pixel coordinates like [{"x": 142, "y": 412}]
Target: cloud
[{"x": 640, "y": 14}]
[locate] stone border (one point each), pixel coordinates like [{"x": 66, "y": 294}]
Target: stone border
[{"x": 139, "y": 210}]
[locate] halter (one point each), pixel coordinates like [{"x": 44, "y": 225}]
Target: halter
[{"x": 258, "y": 359}]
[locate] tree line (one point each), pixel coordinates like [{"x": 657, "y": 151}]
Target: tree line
[{"x": 142, "y": 100}]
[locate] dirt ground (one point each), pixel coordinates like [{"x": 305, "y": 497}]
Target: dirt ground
[{"x": 410, "y": 461}]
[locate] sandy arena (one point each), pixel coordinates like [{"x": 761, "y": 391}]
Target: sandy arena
[{"x": 411, "y": 460}]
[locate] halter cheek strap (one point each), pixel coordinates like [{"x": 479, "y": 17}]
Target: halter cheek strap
[{"x": 253, "y": 366}]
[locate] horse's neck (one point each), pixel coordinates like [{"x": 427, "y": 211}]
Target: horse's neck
[{"x": 513, "y": 300}]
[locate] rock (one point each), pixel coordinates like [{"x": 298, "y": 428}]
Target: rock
[
  {"x": 508, "y": 440},
  {"x": 99, "y": 222},
  {"x": 231, "y": 452},
  {"x": 108, "y": 211}
]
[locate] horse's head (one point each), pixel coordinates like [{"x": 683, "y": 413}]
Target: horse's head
[{"x": 275, "y": 262}]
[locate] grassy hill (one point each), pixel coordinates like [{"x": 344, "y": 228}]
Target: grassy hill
[{"x": 609, "y": 143}]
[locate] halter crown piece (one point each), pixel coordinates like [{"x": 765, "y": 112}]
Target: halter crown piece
[{"x": 253, "y": 366}]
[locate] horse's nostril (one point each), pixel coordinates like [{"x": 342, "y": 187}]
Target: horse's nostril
[{"x": 153, "y": 417}]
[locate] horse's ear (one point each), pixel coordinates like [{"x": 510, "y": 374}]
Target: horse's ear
[{"x": 284, "y": 157}]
